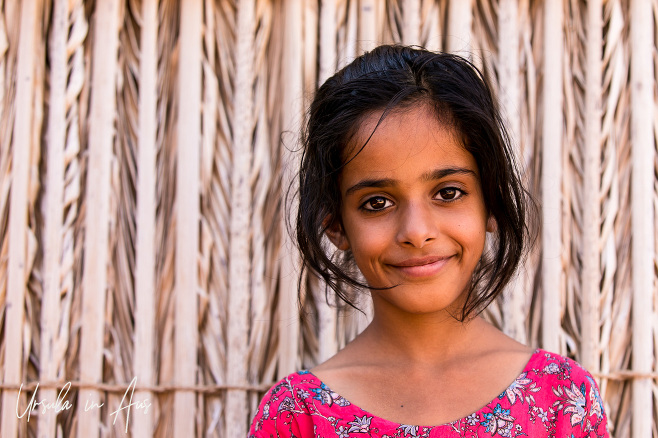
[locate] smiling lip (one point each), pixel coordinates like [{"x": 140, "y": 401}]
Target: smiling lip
[{"x": 421, "y": 267}]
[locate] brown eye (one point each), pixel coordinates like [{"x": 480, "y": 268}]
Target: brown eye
[
  {"x": 376, "y": 203},
  {"x": 450, "y": 194}
]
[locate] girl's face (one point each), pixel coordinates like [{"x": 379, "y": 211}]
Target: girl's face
[{"x": 412, "y": 212}]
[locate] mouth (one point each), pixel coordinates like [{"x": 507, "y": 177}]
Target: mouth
[{"x": 422, "y": 266}]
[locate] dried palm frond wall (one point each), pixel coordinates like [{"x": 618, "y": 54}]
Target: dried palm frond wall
[{"x": 145, "y": 150}]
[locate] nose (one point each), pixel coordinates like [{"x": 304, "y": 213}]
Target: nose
[{"x": 418, "y": 225}]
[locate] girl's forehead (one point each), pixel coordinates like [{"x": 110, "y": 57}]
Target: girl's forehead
[
  {"x": 411, "y": 144},
  {"x": 405, "y": 126}
]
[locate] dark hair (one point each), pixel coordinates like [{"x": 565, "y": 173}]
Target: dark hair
[{"x": 390, "y": 77}]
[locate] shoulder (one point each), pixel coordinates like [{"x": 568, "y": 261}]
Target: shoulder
[
  {"x": 552, "y": 364},
  {"x": 301, "y": 405},
  {"x": 570, "y": 392},
  {"x": 282, "y": 406},
  {"x": 552, "y": 367}
]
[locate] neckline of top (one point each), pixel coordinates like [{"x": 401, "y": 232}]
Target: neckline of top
[{"x": 536, "y": 356}]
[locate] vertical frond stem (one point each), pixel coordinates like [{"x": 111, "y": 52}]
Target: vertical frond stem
[
  {"x": 327, "y": 317},
  {"x": 311, "y": 41},
  {"x": 96, "y": 252},
  {"x": 239, "y": 261},
  {"x": 4, "y": 46},
  {"x": 327, "y": 44},
  {"x": 460, "y": 22},
  {"x": 616, "y": 288},
  {"x": 367, "y": 26},
  {"x": 411, "y": 19},
  {"x": 142, "y": 425},
  {"x": 18, "y": 210},
  {"x": 590, "y": 348},
  {"x": 259, "y": 328},
  {"x": 642, "y": 180},
  {"x": 551, "y": 178},
  {"x": 187, "y": 215},
  {"x": 291, "y": 115},
  {"x": 54, "y": 212},
  {"x": 509, "y": 91},
  {"x": 432, "y": 26},
  {"x": 347, "y": 21}
]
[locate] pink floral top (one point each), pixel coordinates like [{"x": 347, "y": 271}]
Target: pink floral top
[{"x": 553, "y": 397}]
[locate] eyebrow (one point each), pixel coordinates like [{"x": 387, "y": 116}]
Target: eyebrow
[
  {"x": 442, "y": 173},
  {"x": 428, "y": 176}
]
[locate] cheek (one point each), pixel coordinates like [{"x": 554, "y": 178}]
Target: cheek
[
  {"x": 368, "y": 240},
  {"x": 471, "y": 231}
]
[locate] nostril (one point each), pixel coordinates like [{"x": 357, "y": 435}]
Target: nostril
[{"x": 418, "y": 242}]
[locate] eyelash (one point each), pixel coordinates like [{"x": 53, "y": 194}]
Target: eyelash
[{"x": 459, "y": 193}]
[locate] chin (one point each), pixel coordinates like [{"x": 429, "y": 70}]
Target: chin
[
  {"x": 424, "y": 307},
  {"x": 413, "y": 300}
]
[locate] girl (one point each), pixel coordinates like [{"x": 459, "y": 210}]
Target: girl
[{"x": 408, "y": 171}]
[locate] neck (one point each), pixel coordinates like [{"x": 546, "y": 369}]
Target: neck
[{"x": 422, "y": 339}]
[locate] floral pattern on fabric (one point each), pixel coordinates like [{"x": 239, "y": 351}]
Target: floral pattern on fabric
[{"x": 552, "y": 397}]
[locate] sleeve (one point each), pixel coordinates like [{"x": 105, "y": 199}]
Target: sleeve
[
  {"x": 597, "y": 410},
  {"x": 585, "y": 408},
  {"x": 276, "y": 416}
]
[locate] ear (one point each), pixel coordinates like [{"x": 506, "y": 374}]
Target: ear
[
  {"x": 492, "y": 225},
  {"x": 336, "y": 234}
]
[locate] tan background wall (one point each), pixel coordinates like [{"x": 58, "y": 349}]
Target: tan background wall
[{"x": 144, "y": 149}]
